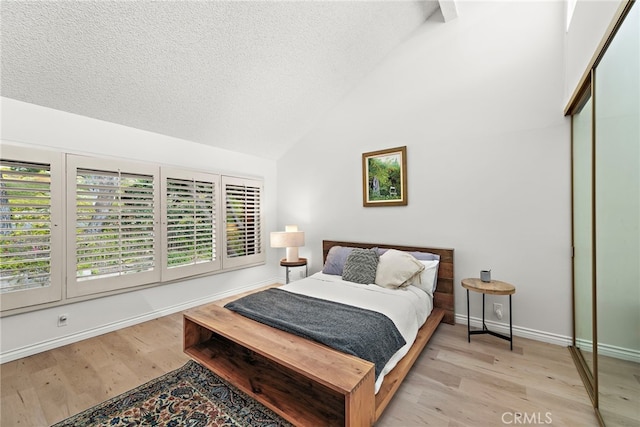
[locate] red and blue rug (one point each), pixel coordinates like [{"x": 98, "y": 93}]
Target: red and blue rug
[{"x": 189, "y": 396}]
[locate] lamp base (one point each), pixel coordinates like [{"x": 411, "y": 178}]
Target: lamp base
[{"x": 292, "y": 254}]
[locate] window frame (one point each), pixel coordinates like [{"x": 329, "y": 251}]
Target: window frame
[
  {"x": 75, "y": 287},
  {"x": 184, "y": 271},
  {"x": 246, "y": 260},
  {"x": 53, "y": 292}
]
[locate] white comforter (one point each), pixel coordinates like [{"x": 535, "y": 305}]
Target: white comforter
[{"x": 408, "y": 307}]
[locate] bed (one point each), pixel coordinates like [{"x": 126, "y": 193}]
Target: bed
[{"x": 304, "y": 381}]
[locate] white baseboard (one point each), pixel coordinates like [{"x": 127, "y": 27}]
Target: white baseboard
[
  {"x": 90, "y": 333},
  {"x": 518, "y": 331},
  {"x": 605, "y": 350},
  {"x": 619, "y": 352},
  {"x": 611, "y": 350}
]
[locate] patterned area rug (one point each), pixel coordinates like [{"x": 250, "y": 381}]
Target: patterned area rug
[{"x": 190, "y": 396}]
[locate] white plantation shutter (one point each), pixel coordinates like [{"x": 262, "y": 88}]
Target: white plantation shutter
[
  {"x": 190, "y": 215},
  {"x": 115, "y": 215},
  {"x": 30, "y": 228},
  {"x": 243, "y": 222},
  {"x": 25, "y": 225},
  {"x": 114, "y": 224}
]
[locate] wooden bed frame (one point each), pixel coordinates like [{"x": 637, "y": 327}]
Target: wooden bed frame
[{"x": 303, "y": 381}]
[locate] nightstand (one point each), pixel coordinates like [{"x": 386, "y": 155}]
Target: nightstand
[
  {"x": 494, "y": 287},
  {"x": 302, "y": 262}
]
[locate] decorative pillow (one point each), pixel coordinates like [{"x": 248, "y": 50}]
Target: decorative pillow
[
  {"x": 397, "y": 269},
  {"x": 420, "y": 256},
  {"x": 361, "y": 266},
  {"x": 337, "y": 256},
  {"x": 425, "y": 256},
  {"x": 427, "y": 280}
]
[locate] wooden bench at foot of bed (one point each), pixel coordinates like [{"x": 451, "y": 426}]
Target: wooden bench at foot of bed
[{"x": 305, "y": 382}]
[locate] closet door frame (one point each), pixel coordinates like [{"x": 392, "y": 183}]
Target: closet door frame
[
  {"x": 583, "y": 92},
  {"x": 590, "y": 379}
]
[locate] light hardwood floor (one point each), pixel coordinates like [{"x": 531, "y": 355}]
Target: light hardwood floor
[
  {"x": 453, "y": 383},
  {"x": 619, "y": 388}
]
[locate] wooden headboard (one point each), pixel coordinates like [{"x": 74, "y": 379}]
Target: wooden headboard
[{"x": 443, "y": 297}]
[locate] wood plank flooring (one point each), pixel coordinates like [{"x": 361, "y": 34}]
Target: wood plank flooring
[
  {"x": 619, "y": 387},
  {"x": 453, "y": 383}
]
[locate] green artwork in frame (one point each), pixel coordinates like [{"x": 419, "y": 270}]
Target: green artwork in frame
[{"x": 384, "y": 177}]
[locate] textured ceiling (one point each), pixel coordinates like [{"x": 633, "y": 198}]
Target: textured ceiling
[{"x": 252, "y": 77}]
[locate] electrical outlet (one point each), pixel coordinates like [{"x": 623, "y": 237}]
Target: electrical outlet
[
  {"x": 497, "y": 310},
  {"x": 62, "y": 320}
]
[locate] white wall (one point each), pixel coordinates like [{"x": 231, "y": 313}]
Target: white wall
[
  {"x": 40, "y": 127},
  {"x": 590, "y": 21},
  {"x": 478, "y": 102}
]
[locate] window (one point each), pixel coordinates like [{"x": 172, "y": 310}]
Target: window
[
  {"x": 30, "y": 227},
  {"x": 115, "y": 213},
  {"x": 243, "y": 222},
  {"x": 116, "y": 225},
  {"x": 190, "y": 214}
]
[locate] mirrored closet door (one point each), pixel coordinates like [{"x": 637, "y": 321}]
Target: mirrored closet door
[
  {"x": 617, "y": 225},
  {"x": 606, "y": 226}
]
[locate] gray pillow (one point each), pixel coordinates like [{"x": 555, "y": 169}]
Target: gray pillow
[
  {"x": 337, "y": 256},
  {"x": 361, "y": 266},
  {"x": 422, "y": 256}
]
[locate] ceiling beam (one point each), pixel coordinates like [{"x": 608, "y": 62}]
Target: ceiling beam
[{"x": 448, "y": 9}]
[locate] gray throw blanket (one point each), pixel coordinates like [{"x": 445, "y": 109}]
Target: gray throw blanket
[{"x": 366, "y": 334}]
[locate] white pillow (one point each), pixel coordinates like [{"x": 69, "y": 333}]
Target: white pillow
[
  {"x": 427, "y": 279},
  {"x": 397, "y": 269}
]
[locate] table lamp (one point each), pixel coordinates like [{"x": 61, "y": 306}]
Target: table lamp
[{"x": 291, "y": 239}]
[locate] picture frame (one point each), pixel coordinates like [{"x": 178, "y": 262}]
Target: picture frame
[{"x": 384, "y": 177}]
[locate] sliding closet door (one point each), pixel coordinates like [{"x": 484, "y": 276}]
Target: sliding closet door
[
  {"x": 582, "y": 167},
  {"x": 617, "y": 219}
]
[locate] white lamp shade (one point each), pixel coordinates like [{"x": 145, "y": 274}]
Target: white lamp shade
[{"x": 287, "y": 239}]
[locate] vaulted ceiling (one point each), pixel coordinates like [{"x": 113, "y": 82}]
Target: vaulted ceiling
[{"x": 252, "y": 77}]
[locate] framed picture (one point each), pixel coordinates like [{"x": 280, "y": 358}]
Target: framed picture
[{"x": 384, "y": 177}]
